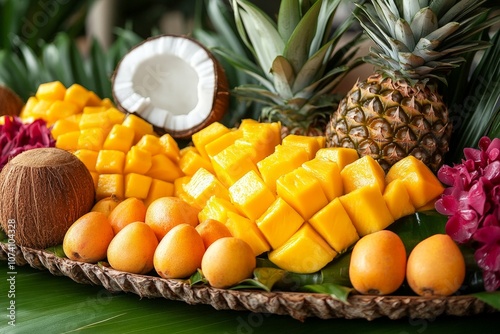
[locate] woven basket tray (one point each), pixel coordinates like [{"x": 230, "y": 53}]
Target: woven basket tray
[{"x": 297, "y": 305}]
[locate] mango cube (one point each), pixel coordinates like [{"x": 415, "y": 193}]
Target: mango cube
[
  {"x": 115, "y": 116},
  {"x": 137, "y": 185},
  {"x": 88, "y": 157},
  {"x": 422, "y": 185},
  {"x": 279, "y": 222},
  {"x": 150, "y": 143},
  {"x": 40, "y": 110},
  {"x": 51, "y": 91},
  {"x": 163, "y": 168},
  {"x": 363, "y": 172},
  {"x": 333, "y": 223},
  {"x": 206, "y": 135},
  {"x": 27, "y": 110},
  {"x": 302, "y": 191},
  {"x": 180, "y": 192},
  {"x": 140, "y": 126},
  {"x": 137, "y": 161},
  {"x": 68, "y": 141},
  {"x": 93, "y": 109},
  {"x": 62, "y": 126},
  {"x": 96, "y": 120},
  {"x": 93, "y": 99},
  {"x": 398, "y": 200},
  {"x": 119, "y": 138},
  {"x": 283, "y": 160},
  {"x": 305, "y": 252},
  {"x": 203, "y": 185},
  {"x": 231, "y": 164},
  {"x": 192, "y": 161},
  {"x": 259, "y": 139},
  {"x": 216, "y": 208},
  {"x": 219, "y": 144},
  {"x": 341, "y": 155},
  {"x": 92, "y": 139},
  {"x": 328, "y": 174},
  {"x": 307, "y": 143},
  {"x": 250, "y": 195},
  {"x": 108, "y": 185},
  {"x": 170, "y": 147},
  {"x": 245, "y": 229},
  {"x": 367, "y": 209},
  {"x": 110, "y": 162},
  {"x": 77, "y": 95},
  {"x": 61, "y": 109},
  {"x": 157, "y": 189}
]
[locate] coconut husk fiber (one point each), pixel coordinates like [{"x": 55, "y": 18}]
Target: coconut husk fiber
[{"x": 296, "y": 305}]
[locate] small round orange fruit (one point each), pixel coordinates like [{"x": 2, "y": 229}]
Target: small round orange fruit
[
  {"x": 88, "y": 238},
  {"x": 132, "y": 249},
  {"x": 166, "y": 212},
  {"x": 436, "y": 267},
  {"x": 211, "y": 230},
  {"x": 127, "y": 211},
  {"x": 378, "y": 263},
  {"x": 179, "y": 253},
  {"x": 228, "y": 261},
  {"x": 106, "y": 205}
]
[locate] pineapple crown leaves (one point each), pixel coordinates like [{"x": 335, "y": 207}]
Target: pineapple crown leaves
[{"x": 423, "y": 39}]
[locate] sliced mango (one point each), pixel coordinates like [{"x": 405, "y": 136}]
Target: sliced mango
[
  {"x": 62, "y": 126},
  {"x": 110, "y": 184},
  {"x": 206, "y": 135},
  {"x": 367, "y": 209},
  {"x": 110, "y": 162},
  {"x": 328, "y": 174},
  {"x": 203, "y": 185},
  {"x": 157, "y": 189},
  {"x": 91, "y": 139},
  {"x": 119, "y": 138},
  {"x": 218, "y": 144},
  {"x": 150, "y": 143},
  {"x": 398, "y": 200},
  {"x": 362, "y": 172},
  {"x": 162, "y": 168},
  {"x": 245, "y": 229},
  {"x": 78, "y": 95},
  {"x": 170, "y": 147},
  {"x": 51, "y": 91},
  {"x": 250, "y": 195},
  {"x": 231, "y": 164},
  {"x": 216, "y": 208},
  {"x": 191, "y": 161},
  {"x": 333, "y": 223},
  {"x": 137, "y": 161},
  {"x": 137, "y": 185},
  {"x": 307, "y": 143},
  {"x": 88, "y": 157},
  {"x": 302, "y": 191},
  {"x": 279, "y": 222},
  {"x": 140, "y": 126},
  {"x": 422, "y": 185},
  {"x": 305, "y": 252},
  {"x": 341, "y": 155}
]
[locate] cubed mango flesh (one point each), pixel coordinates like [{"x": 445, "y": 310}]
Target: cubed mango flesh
[
  {"x": 305, "y": 252},
  {"x": 137, "y": 185},
  {"x": 341, "y": 155},
  {"x": 191, "y": 161},
  {"x": 110, "y": 162},
  {"x": 203, "y": 185},
  {"x": 216, "y": 208},
  {"x": 231, "y": 164},
  {"x": 92, "y": 139},
  {"x": 328, "y": 174},
  {"x": 96, "y": 120},
  {"x": 157, "y": 189},
  {"x": 62, "y": 126},
  {"x": 250, "y": 195},
  {"x": 68, "y": 141},
  {"x": 110, "y": 184},
  {"x": 397, "y": 199},
  {"x": 307, "y": 143},
  {"x": 206, "y": 135},
  {"x": 422, "y": 185},
  {"x": 170, "y": 147},
  {"x": 60, "y": 110},
  {"x": 119, "y": 138},
  {"x": 259, "y": 139},
  {"x": 283, "y": 160},
  {"x": 137, "y": 161},
  {"x": 51, "y": 91},
  {"x": 78, "y": 95},
  {"x": 302, "y": 191},
  {"x": 367, "y": 209},
  {"x": 333, "y": 223},
  {"x": 150, "y": 143},
  {"x": 218, "y": 144},
  {"x": 163, "y": 168},
  {"x": 245, "y": 229},
  {"x": 88, "y": 157},
  {"x": 279, "y": 222},
  {"x": 140, "y": 126},
  {"x": 363, "y": 172}
]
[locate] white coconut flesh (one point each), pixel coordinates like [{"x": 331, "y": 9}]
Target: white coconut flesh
[{"x": 172, "y": 82}]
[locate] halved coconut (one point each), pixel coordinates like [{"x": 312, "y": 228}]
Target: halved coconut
[{"x": 174, "y": 83}]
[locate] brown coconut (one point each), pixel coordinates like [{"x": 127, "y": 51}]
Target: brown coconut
[
  {"x": 43, "y": 191},
  {"x": 10, "y": 103}
]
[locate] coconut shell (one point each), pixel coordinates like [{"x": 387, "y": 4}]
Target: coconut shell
[
  {"x": 43, "y": 191},
  {"x": 10, "y": 103}
]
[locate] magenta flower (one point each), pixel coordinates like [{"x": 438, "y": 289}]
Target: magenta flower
[{"x": 472, "y": 203}]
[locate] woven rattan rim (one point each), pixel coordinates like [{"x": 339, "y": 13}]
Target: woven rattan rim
[{"x": 295, "y": 304}]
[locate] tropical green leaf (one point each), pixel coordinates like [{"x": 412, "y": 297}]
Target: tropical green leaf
[
  {"x": 494, "y": 131},
  {"x": 490, "y": 298},
  {"x": 268, "y": 276},
  {"x": 336, "y": 291},
  {"x": 57, "y": 250},
  {"x": 283, "y": 77},
  {"x": 288, "y": 18}
]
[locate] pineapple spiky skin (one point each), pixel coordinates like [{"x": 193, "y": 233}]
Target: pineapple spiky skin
[{"x": 389, "y": 120}]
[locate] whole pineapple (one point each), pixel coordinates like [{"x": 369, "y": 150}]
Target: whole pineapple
[
  {"x": 398, "y": 111},
  {"x": 296, "y": 64}
]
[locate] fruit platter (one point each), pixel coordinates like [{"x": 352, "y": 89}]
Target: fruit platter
[{"x": 324, "y": 206}]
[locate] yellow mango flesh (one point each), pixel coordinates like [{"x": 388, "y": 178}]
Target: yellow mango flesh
[
  {"x": 304, "y": 253},
  {"x": 68, "y": 141},
  {"x": 398, "y": 200},
  {"x": 219, "y": 144},
  {"x": 163, "y": 168},
  {"x": 341, "y": 155},
  {"x": 302, "y": 191},
  {"x": 110, "y": 162},
  {"x": 364, "y": 171},
  {"x": 92, "y": 139},
  {"x": 250, "y": 195},
  {"x": 367, "y": 209},
  {"x": 259, "y": 139},
  {"x": 51, "y": 91},
  {"x": 191, "y": 161},
  {"x": 62, "y": 126},
  {"x": 422, "y": 185},
  {"x": 150, "y": 143},
  {"x": 157, "y": 189},
  {"x": 328, "y": 174},
  {"x": 245, "y": 229},
  {"x": 140, "y": 126},
  {"x": 137, "y": 161},
  {"x": 333, "y": 223},
  {"x": 279, "y": 222},
  {"x": 119, "y": 138},
  {"x": 137, "y": 185},
  {"x": 88, "y": 157},
  {"x": 206, "y": 135},
  {"x": 307, "y": 143},
  {"x": 216, "y": 208},
  {"x": 231, "y": 164},
  {"x": 108, "y": 185},
  {"x": 203, "y": 185},
  {"x": 170, "y": 147},
  {"x": 280, "y": 162},
  {"x": 77, "y": 94}
]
